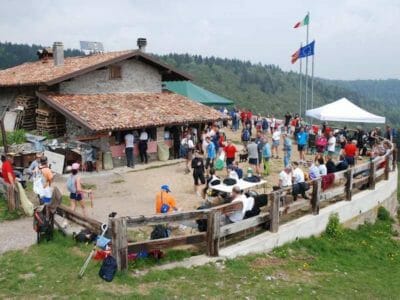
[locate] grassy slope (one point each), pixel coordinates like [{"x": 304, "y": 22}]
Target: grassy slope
[{"x": 359, "y": 264}]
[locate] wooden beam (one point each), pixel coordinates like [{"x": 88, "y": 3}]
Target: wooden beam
[
  {"x": 213, "y": 230},
  {"x": 387, "y": 167},
  {"x": 332, "y": 193},
  {"x": 394, "y": 157},
  {"x": 243, "y": 225},
  {"x": 361, "y": 168},
  {"x": 349, "y": 184},
  {"x": 86, "y": 222},
  {"x": 120, "y": 242},
  {"x": 316, "y": 196},
  {"x": 230, "y": 207},
  {"x": 357, "y": 183},
  {"x": 274, "y": 212},
  {"x": 165, "y": 218},
  {"x": 167, "y": 242}
]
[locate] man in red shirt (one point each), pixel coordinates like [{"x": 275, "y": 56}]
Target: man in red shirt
[
  {"x": 230, "y": 151},
  {"x": 350, "y": 151},
  {"x": 7, "y": 171}
]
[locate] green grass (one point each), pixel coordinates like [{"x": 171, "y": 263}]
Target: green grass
[
  {"x": 6, "y": 215},
  {"x": 360, "y": 264}
]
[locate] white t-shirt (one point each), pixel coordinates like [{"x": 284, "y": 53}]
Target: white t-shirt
[
  {"x": 331, "y": 144},
  {"x": 188, "y": 142},
  {"x": 248, "y": 204},
  {"x": 322, "y": 170},
  {"x": 276, "y": 136},
  {"x": 144, "y": 136},
  {"x": 273, "y": 121},
  {"x": 285, "y": 178},
  {"x": 204, "y": 145},
  {"x": 129, "y": 140},
  {"x": 298, "y": 175}
]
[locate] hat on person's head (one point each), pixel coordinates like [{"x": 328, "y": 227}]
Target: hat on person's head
[
  {"x": 75, "y": 166},
  {"x": 39, "y": 154},
  {"x": 165, "y": 187},
  {"x": 43, "y": 160}
]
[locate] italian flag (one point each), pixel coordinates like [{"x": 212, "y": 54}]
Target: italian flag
[{"x": 305, "y": 22}]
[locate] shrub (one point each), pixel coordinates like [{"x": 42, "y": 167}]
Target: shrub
[
  {"x": 334, "y": 229},
  {"x": 383, "y": 214}
]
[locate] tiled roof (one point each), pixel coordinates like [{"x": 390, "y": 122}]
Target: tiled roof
[
  {"x": 104, "y": 112},
  {"x": 39, "y": 72}
]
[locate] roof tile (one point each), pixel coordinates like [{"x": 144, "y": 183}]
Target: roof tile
[{"x": 101, "y": 112}]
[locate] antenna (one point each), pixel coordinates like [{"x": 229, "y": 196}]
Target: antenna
[{"x": 91, "y": 47}]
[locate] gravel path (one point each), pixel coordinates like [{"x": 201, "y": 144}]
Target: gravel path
[{"x": 16, "y": 235}]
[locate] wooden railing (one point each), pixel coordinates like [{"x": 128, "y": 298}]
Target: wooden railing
[{"x": 280, "y": 205}]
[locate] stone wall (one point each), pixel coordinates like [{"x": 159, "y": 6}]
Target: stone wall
[
  {"x": 136, "y": 77},
  {"x": 8, "y": 95}
]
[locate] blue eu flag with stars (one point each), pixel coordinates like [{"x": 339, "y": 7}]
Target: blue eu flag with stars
[{"x": 307, "y": 50}]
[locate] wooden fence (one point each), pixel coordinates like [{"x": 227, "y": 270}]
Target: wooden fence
[{"x": 345, "y": 185}]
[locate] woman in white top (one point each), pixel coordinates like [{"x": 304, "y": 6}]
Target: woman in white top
[{"x": 321, "y": 166}]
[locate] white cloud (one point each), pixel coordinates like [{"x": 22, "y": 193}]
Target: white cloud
[{"x": 355, "y": 38}]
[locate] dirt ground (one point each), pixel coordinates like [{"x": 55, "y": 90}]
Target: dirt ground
[{"x": 133, "y": 193}]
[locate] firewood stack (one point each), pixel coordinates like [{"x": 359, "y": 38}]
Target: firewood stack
[
  {"x": 48, "y": 121},
  {"x": 29, "y": 105}
]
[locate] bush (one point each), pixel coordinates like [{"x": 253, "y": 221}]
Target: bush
[
  {"x": 383, "y": 214},
  {"x": 334, "y": 229},
  {"x": 14, "y": 137}
]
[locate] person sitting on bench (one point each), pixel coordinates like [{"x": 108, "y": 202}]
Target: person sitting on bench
[{"x": 248, "y": 203}]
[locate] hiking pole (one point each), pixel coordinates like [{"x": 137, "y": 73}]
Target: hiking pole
[{"x": 104, "y": 228}]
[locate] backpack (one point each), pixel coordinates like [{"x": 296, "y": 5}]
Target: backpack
[
  {"x": 246, "y": 135},
  {"x": 159, "y": 232},
  {"x": 108, "y": 268},
  {"x": 84, "y": 236},
  {"x": 267, "y": 151}
]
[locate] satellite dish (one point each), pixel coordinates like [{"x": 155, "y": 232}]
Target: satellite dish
[{"x": 91, "y": 47}]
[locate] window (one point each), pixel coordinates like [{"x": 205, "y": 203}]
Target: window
[{"x": 115, "y": 72}]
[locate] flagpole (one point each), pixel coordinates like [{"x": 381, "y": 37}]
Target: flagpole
[
  {"x": 300, "y": 83},
  {"x": 312, "y": 81},
  {"x": 306, "y": 89}
]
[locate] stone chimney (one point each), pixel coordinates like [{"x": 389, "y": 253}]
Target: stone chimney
[
  {"x": 142, "y": 43},
  {"x": 58, "y": 53}
]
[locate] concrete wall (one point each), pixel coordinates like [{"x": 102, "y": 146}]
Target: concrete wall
[
  {"x": 136, "y": 77},
  {"x": 363, "y": 207}
]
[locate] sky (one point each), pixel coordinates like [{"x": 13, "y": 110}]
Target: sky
[{"x": 355, "y": 39}]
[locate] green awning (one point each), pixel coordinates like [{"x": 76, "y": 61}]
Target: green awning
[{"x": 196, "y": 93}]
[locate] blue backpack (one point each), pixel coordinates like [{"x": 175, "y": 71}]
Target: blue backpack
[
  {"x": 246, "y": 135},
  {"x": 108, "y": 268}
]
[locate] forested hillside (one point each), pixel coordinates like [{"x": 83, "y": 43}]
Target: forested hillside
[
  {"x": 263, "y": 88},
  {"x": 15, "y": 54}
]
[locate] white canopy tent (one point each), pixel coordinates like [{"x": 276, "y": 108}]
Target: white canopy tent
[{"x": 343, "y": 110}]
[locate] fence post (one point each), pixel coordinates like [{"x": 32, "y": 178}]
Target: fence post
[
  {"x": 120, "y": 242},
  {"x": 274, "y": 212},
  {"x": 387, "y": 168},
  {"x": 394, "y": 157},
  {"x": 11, "y": 200},
  {"x": 371, "y": 181},
  {"x": 349, "y": 184},
  {"x": 213, "y": 229},
  {"x": 316, "y": 195}
]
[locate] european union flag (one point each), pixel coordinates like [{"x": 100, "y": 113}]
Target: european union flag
[{"x": 307, "y": 50}]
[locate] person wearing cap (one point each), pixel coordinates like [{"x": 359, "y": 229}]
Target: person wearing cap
[
  {"x": 165, "y": 202},
  {"x": 33, "y": 169},
  {"x": 47, "y": 178},
  {"x": 7, "y": 171},
  {"x": 74, "y": 187}
]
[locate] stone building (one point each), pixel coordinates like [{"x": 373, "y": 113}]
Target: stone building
[{"x": 102, "y": 96}]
